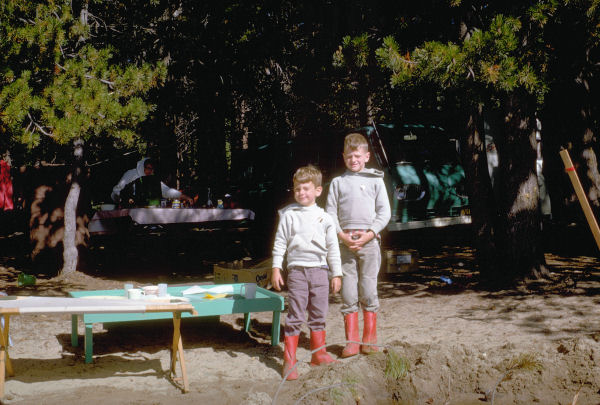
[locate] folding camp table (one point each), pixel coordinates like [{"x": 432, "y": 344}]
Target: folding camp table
[
  {"x": 234, "y": 303},
  {"x": 61, "y": 305}
]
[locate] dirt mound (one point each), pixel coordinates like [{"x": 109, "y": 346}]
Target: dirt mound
[{"x": 434, "y": 374}]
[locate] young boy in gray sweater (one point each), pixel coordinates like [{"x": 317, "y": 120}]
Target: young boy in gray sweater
[
  {"x": 359, "y": 205},
  {"x": 307, "y": 234}
]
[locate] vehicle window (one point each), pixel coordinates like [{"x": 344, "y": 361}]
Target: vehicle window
[{"x": 420, "y": 145}]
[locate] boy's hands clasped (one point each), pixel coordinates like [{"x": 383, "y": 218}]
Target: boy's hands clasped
[
  {"x": 357, "y": 239},
  {"x": 278, "y": 282}
]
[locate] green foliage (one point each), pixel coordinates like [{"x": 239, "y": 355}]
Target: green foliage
[
  {"x": 357, "y": 47},
  {"x": 348, "y": 385},
  {"x": 396, "y": 366},
  {"x": 492, "y": 59},
  {"x": 542, "y": 12},
  {"x": 56, "y": 84},
  {"x": 522, "y": 362}
]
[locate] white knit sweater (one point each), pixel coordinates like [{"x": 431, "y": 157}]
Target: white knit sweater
[{"x": 309, "y": 237}]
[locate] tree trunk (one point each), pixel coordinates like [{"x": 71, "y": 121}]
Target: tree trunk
[
  {"x": 479, "y": 190},
  {"x": 363, "y": 98},
  {"x": 586, "y": 140},
  {"x": 518, "y": 235},
  {"x": 591, "y": 181},
  {"x": 70, "y": 253},
  {"x": 571, "y": 126}
]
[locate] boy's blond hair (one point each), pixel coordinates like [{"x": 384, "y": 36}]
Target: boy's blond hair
[
  {"x": 308, "y": 173},
  {"x": 355, "y": 141}
]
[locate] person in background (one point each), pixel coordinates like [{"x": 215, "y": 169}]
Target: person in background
[
  {"x": 145, "y": 167},
  {"x": 6, "y": 187},
  {"x": 6, "y": 198},
  {"x": 359, "y": 205},
  {"x": 306, "y": 233}
]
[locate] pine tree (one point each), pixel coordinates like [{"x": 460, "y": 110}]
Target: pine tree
[
  {"x": 57, "y": 87},
  {"x": 495, "y": 68}
]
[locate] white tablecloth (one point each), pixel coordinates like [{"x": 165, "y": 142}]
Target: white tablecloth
[{"x": 104, "y": 221}]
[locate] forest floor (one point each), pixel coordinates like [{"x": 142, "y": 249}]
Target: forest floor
[{"x": 444, "y": 343}]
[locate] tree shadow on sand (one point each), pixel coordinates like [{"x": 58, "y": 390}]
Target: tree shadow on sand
[
  {"x": 152, "y": 336},
  {"x": 447, "y": 266}
]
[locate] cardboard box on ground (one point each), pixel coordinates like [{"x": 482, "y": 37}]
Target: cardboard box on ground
[
  {"x": 400, "y": 260},
  {"x": 240, "y": 271}
]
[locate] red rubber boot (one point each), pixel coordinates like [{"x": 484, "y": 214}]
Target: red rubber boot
[
  {"x": 317, "y": 339},
  {"x": 351, "y": 324},
  {"x": 289, "y": 356},
  {"x": 369, "y": 332}
]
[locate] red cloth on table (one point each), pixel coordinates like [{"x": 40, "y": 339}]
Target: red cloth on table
[{"x": 6, "y": 187}]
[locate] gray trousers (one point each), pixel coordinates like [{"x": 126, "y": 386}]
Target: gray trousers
[
  {"x": 308, "y": 291},
  {"x": 359, "y": 284}
]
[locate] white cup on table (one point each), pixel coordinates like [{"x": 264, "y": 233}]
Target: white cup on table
[
  {"x": 127, "y": 287},
  {"x": 162, "y": 290},
  {"x": 248, "y": 290},
  {"x": 135, "y": 294}
]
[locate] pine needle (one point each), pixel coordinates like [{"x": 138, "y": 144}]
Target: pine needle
[
  {"x": 576, "y": 397},
  {"x": 524, "y": 362}
]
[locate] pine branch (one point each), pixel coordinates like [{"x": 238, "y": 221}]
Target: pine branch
[
  {"x": 471, "y": 73},
  {"x": 97, "y": 19},
  {"x": 38, "y": 126},
  {"x": 88, "y": 76},
  {"x": 27, "y": 21}
]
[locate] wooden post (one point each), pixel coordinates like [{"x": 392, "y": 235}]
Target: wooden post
[
  {"x": 177, "y": 348},
  {"x": 585, "y": 205},
  {"x": 5, "y": 365},
  {"x": 3, "y": 350},
  {"x": 6, "y": 341}
]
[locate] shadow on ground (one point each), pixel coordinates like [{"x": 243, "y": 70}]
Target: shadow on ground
[{"x": 446, "y": 261}]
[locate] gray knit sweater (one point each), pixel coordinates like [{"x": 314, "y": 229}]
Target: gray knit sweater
[{"x": 359, "y": 201}]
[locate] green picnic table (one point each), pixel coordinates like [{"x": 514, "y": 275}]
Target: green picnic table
[{"x": 265, "y": 301}]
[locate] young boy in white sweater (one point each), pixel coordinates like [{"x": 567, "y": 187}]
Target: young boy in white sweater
[
  {"x": 359, "y": 205},
  {"x": 307, "y": 234}
]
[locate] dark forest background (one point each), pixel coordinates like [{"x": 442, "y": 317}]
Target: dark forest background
[{"x": 93, "y": 85}]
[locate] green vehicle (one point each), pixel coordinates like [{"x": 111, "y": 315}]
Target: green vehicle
[
  {"x": 424, "y": 176},
  {"x": 425, "y": 180}
]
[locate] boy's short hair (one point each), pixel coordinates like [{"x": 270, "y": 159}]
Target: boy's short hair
[
  {"x": 354, "y": 141},
  {"x": 308, "y": 173},
  {"x": 149, "y": 162}
]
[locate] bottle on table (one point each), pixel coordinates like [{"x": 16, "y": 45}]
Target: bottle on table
[{"x": 209, "y": 203}]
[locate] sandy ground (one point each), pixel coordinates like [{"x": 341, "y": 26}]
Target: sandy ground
[{"x": 450, "y": 344}]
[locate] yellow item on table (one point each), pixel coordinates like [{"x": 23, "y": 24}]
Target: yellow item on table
[{"x": 214, "y": 296}]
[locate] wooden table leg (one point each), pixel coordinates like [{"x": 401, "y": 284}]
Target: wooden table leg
[
  {"x": 5, "y": 364},
  {"x": 2, "y": 363},
  {"x": 176, "y": 348},
  {"x": 9, "y": 367},
  {"x": 182, "y": 365},
  {"x": 175, "y": 345}
]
